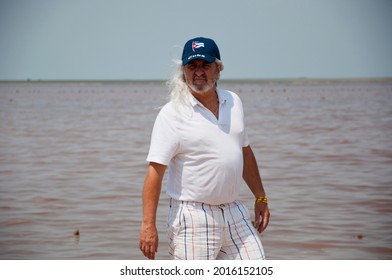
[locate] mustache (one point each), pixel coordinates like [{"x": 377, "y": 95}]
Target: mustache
[{"x": 199, "y": 77}]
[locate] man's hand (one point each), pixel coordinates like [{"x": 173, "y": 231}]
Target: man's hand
[
  {"x": 149, "y": 240},
  {"x": 262, "y": 215}
]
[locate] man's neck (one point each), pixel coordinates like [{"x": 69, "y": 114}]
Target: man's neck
[{"x": 206, "y": 98}]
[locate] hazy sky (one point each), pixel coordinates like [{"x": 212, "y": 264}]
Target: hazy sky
[{"x": 138, "y": 39}]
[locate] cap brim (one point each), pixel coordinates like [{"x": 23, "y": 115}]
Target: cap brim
[{"x": 207, "y": 58}]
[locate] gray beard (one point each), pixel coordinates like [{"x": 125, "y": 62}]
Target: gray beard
[{"x": 201, "y": 89}]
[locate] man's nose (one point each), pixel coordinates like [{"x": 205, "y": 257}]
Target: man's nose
[{"x": 199, "y": 71}]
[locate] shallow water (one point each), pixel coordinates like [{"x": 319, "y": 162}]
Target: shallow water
[{"x": 72, "y": 158}]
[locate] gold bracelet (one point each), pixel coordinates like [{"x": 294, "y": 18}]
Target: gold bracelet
[{"x": 262, "y": 199}]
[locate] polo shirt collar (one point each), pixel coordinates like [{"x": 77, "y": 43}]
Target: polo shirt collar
[
  {"x": 222, "y": 95},
  {"x": 193, "y": 100}
]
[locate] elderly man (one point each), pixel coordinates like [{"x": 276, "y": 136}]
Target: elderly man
[{"x": 201, "y": 137}]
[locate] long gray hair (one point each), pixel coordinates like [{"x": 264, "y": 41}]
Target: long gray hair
[{"x": 178, "y": 88}]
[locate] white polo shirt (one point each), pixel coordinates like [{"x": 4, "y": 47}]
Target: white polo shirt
[{"x": 203, "y": 154}]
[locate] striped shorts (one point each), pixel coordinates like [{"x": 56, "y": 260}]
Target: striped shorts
[{"x": 199, "y": 231}]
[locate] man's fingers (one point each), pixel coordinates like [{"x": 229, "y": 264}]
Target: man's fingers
[
  {"x": 265, "y": 221},
  {"x": 257, "y": 218},
  {"x": 148, "y": 249},
  {"x": 149, "y": 252}
]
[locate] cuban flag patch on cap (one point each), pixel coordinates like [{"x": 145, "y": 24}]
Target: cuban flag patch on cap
[{"x": 196, "y": 45}]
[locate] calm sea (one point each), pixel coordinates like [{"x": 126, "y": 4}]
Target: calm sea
[{"x": 72, "y": 159}]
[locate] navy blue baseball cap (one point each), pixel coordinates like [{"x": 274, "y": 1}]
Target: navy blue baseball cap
[{"x": 200, "y": 48}]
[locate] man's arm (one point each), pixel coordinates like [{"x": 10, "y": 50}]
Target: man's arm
[
  {"x": 252, "y": 178},
  {"x": 151, "y": 192}
]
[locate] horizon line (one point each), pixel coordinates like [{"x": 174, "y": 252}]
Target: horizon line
[{"x": 299, "y": 79}]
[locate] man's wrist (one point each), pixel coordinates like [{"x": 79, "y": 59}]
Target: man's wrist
[{"x": 261, "y": 199}]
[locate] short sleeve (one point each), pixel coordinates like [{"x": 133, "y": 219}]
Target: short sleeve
[
  {"x": 245, "y": 139},
  {"x": 165, "y": 137}
]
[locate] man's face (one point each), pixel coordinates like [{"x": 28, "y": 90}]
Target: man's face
[{"x": 200, "y": 75}]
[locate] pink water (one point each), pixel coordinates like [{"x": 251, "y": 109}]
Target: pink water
[{"x": 72, "y": 157}]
